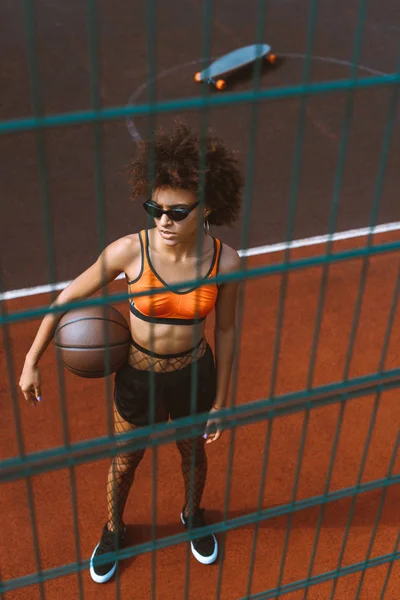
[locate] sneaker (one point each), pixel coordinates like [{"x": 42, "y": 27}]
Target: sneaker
[
  {"x": 204, "y": 549},
  {"x": 100, "y": 573}
]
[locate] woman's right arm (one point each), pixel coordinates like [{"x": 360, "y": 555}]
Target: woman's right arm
[{"x": 111, "y": 262}]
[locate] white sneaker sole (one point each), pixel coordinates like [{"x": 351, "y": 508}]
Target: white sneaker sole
[
  {"x": 100, "y": 578},
  {"x": 204, "y": 560}
]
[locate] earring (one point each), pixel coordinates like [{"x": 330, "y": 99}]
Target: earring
[{"x": 206, "y": 225}]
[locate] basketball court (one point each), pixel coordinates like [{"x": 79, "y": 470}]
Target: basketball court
[{"x": 316, "y": 452}]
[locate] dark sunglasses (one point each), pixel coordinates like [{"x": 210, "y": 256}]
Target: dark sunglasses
[{"x": 175, "y": 214}]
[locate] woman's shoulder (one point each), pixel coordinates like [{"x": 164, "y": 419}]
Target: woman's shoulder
[
  {"x": 124, "y": 252},
  {"x": 126, "y": 247},
  {"x": 229, "y": 259}
]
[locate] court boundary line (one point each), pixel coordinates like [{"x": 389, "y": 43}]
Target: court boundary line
[{"x": 256, "y": 251}]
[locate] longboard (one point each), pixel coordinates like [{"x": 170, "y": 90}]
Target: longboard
[{"x": 229, "y": 63}]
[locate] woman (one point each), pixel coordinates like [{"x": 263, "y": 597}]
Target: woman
[{"x": 167, "y": 328}]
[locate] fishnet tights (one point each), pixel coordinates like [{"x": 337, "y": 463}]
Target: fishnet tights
[
  {"x": 122, "y": 470},
  {"x": 123, "y": 467},
  {"x": 120, "y": 476},
  {"x": 145, "y": 362},
  {"x": 193, "y": 489}
]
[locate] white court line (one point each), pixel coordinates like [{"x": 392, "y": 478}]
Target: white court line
[
  {"x": 311, "y": 241},
  {"x": 133, "y": 130}
]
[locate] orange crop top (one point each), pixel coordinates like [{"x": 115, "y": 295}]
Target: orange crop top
[{"x": 172, "y": 307}]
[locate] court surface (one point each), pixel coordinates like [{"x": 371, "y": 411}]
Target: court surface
[{"x": 64, "y": 69}]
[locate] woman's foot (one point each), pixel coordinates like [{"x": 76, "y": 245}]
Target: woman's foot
[
  {"x": 101, "y": 572},
  {"x": 204, "y": 548}
]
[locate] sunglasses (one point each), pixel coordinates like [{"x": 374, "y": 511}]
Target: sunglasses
[{"x": 175, "y": 214}]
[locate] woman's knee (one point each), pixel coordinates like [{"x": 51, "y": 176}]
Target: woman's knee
[
  {"x": 192, "y": 447},
  {"x": 126, "y": 462},
  {"x": 126, "y": 459}
]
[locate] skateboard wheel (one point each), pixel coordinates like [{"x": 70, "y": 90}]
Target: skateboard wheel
[
  {"x": 197, "y": 77},
  {"x": 271, "y": 58},
  {"x": 220, "y": 84}
]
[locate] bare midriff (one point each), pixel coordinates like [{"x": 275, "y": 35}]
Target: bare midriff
[{"x": 164, "y": 339}]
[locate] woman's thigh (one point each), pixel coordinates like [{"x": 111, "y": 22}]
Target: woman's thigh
[
  {"x": 138, "y": 397},
  {"x": 183, "y": 398},
  {"x": 121, "y": 426}
]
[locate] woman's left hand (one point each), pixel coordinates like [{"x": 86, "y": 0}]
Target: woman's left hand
[{"x": 213, "y": 429}]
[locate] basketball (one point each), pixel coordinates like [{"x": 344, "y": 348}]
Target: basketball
[{"x": 93, "y": 341}]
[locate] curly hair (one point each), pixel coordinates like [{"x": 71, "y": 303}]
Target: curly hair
[{"x": 176, "y": 165}]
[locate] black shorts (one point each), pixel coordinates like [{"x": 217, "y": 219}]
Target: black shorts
[{"x": 172, "y": 392}]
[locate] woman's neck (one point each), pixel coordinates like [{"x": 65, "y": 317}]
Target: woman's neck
[{"x": 191, "y": 247}]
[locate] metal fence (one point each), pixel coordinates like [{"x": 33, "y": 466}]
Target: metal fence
[{"x": 26, "y": 465}]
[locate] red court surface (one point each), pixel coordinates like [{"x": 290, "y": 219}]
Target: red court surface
[{"x": 86, "y": 408}]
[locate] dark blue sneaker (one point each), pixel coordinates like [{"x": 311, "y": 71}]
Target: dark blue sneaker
[
  {"x": 204, "y": 548},
  {"x": 100, "y": 573}
]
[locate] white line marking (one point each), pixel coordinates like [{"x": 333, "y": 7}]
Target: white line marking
[
  {"x": 322, "y": 239},
  {"x": 259, "y": 250},
  {"x": 353, "y": 233},
  {"x": 133, "y": 130},
  {"x": 335, "y": 61}
]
